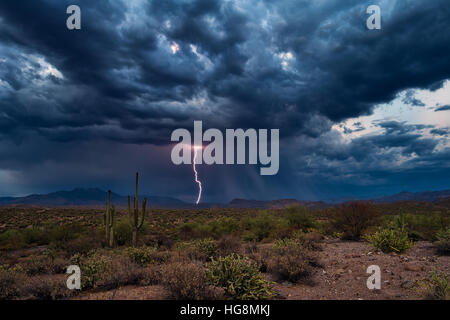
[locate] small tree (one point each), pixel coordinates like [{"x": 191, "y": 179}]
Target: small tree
[{"x": 353, "y": 218}]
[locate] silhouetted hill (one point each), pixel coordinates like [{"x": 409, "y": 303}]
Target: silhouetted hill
[
  {"x": 428, "y": 196},
  {"x": 97, "y": 197},
  {"x": 86, "y": 197}
]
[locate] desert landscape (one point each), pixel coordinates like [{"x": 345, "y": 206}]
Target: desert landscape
[{"x": 292, "y": 252}]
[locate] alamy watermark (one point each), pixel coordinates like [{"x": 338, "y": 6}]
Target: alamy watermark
[
  {"x": 374, "y": 281},
  {"x": 74, "y": 280},
  {"x": 235, "y": 152},
  {"x": 73, "y": 22},
  {"x": 374, "y": 21}
]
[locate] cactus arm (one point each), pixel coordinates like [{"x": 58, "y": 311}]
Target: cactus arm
[
  {"x": 136, "y": 212},
  {"x": 113, "y": 210},
  {"x": 144, "y": 205},
  {"x": 111, "y": 238},
  {"x": 136, "y": 193}
]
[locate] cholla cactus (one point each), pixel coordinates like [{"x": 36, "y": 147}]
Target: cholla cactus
[
  {"x": 135, "y": 222},
  {"x": 108, "y": 219}
]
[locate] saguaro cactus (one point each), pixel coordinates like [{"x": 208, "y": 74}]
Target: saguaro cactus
[
  {"x": 108, "y": 218},
  {"x": 135, "y": 222}
]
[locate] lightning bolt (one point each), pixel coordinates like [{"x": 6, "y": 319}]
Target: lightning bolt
[{"x": 196, "y": 175}]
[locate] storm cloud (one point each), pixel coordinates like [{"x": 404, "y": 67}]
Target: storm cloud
[{"x": 139, "y": 69}]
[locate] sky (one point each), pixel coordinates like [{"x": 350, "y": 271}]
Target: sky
[{"x": 362, "y": 113}]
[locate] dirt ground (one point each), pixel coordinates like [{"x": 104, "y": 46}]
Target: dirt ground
[{"x": 342, "y": 275}]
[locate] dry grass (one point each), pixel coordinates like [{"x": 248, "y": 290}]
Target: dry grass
[{"x": 187, "y": 281}]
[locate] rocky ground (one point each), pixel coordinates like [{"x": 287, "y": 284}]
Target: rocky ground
[{"x": 342, "y": 275}]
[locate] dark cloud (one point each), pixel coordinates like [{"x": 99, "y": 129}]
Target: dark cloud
[
  {"x": 300, "y": 66},
  {"x": 443, "y": 108},
  {"x": 410, "y": 99},
  {"x": 440, "y": 131}
]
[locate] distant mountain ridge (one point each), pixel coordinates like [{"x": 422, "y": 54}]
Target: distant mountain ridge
[
  {"x": 97, "y": 197},
  {"x": 85, "y": 197},
  {"x": 416, "y": 196}
]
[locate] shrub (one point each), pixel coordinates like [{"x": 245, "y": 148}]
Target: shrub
[
  {"x": 228, "y": 244},
  {"x": 437, "y": 287},
  {"x": 443, "y": 241},
  {"x": 353, "y": 218},
  {"x": 259, "y": 257},
  {"x": 311, "y": 240},
  {"x": 59, "y": 236},
  {"x": 419, "y": 226},
  {"x": 151, "y": 275},
  {"x": 160, "y": 240},
  {"x": 224, "y": 226},
  {"x": 240, "y": 278},
  {"x": 92, "y": 266},
  {"x": 289, "y": 260},
  {"x": 187, "y": 281},
  {"x": 122, "y": 232},
  {"x": 208, "y": 247},
  {"x": 200, "y": 249},
  {"x": 390, "y": 240},
  {"x": 99, "y": 270},
  {"x": 120, "y": 272},
  {"x": 47, "y": 288},
  {"x": 299, "y": 218},
  {"x": 36, "y": 236},
  {"x": 11, "y": 280},
  {"x": 82, "y": 244},
  {"x": 12, "y": 240},
  {"x": 145, "y": 255},
  {"x": 195, "y": 230},
  {"x": 43, "y": 264},
  {"x": 261, "y": 226}
]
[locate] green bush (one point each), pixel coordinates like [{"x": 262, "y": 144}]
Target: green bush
[
  {"x": 195, "y": 230},
  {"x": 59, "y": 236},
  {"x": 289, "y": 260},
  {"x": 261, "y": 226},
  {"x": 122, "y": 232},
  {"x": 92, "y": 266},
  {"x": 240, "y": 278},
  {"x": 437, "y": 287},
  {"x": 206, "y": 246},
  {"x": 443, "y": 241},
  {"x": 102, "y": 270},
  {"x": 145, "y": 255},
  {"x": 224, "y": 226},
  {"x": 199, "y": 249},
  {"x": 299, "y": 218},
  {"x": 12, "y": 240},
  {"x": 390, "y": 240},
  {"x": 419, "y": 226},
  {"x": 82, "y": 244},
  {"x": 36, "y": 236}
]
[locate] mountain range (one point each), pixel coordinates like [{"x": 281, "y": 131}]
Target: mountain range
[
  {"x": 85, "y": 197},
  {"x": 97, "y": 197}
]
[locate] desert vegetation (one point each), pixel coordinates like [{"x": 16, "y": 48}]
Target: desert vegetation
[{"x": 290, "y": 253}]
